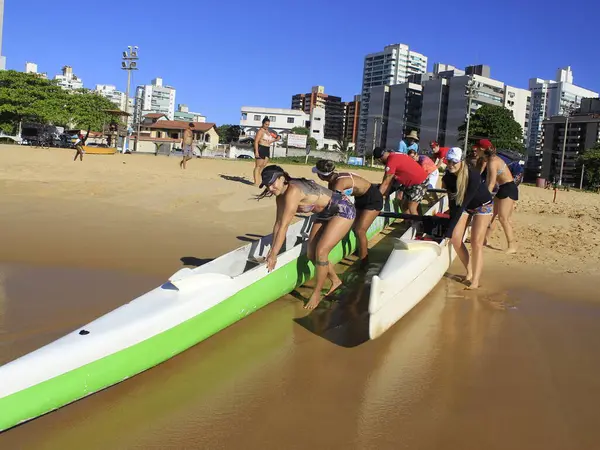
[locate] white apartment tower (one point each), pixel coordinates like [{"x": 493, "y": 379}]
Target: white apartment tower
[
  {"x": 68, "y": 80},
  {"x": 155, "y": 98},
  {"x": 550, "y": 98},
  {"x": 391, "y": 66},
  {"x": 2, "y": 58},
  {"x": 110, "y": 92},
  {"x": 31, "y": 67}
]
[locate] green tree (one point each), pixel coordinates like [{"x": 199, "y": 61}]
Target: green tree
[
  {"x": 201, "y": 148},
  {"x": 229, "y": 133},
  {"x": 28, "y": 97},
  {"x": 591, "y": 160},
  {"x": 343, "y": 147},
  {"x": 300, "y": 130},
  {"x": 497, "y": 124},
  {"x": 313, "y": 143}
]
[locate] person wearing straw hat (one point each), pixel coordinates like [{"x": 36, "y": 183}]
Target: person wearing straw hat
[{"x": 410, "y": 142}]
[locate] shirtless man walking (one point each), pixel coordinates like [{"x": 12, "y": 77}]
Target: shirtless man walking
[{"x": 187, "y": 144}]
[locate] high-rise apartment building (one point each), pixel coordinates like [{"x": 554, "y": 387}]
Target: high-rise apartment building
[
  {"x": 333, "y": 106},
  {"x": 391, "y": 66},
  {"x": 110, "y": 92},
  {"x": 435, "y": 105},
  {"x": 351, "y": 118},
  {"x": 183, "y": 113},
  {"x": 68, "y": 80},
  {"x": 31, "y": 67},
  {"x": 155, "y": 98},
  {"x": 2, "y": 58},
  {"x": 550, "y": 98},
  {"x": 583, "y": 133}
]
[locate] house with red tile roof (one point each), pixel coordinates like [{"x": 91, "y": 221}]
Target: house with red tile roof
[{"x": 156, "y": 128}]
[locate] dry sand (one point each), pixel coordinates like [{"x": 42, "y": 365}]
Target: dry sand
[
  {"x": 510, "y": 366},
  {"x": 143, "y": 214}
]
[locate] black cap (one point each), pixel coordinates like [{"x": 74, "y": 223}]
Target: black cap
[
  {"x": 270, "y": 174},
  {"x": 378, "y": 152}
]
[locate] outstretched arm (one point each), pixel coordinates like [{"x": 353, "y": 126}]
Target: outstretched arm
[
  {"x": 287, "y": 205},
  {"x": 386, "y": 184}
]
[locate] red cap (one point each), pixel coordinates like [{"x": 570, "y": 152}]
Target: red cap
[
  {"x": 433, "y": 144},
  {"x": 484, "y": 144}
]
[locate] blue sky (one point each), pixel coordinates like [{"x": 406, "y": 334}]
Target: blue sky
[{"x": 221, "y": 55}]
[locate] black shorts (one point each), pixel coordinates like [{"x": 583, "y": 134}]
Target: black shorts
[
  {"x": 508, "y": 190},
  {"x": 263, "y": 152},
  {"x": 371, "y": 200}
]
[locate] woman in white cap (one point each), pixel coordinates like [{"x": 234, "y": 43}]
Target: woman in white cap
[
  {"x": 469, "y": 197},
  {"x": 367, "y": 200}
]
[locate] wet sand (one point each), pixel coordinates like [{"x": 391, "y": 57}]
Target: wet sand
[
  {"x": 516, "y": 369},
  {"x": 511, "y": 366}
]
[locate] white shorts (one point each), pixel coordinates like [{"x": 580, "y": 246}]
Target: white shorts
[{"x": 432, "y": 180}]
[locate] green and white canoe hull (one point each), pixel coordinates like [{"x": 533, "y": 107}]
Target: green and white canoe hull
[{"x": 192, "y": 306}]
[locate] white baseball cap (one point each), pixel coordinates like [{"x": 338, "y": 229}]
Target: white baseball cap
[{"x": 454, "y": 155}]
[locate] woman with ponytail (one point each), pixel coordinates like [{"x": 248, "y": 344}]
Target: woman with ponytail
[
  {"x": 335, "y": 214},
  {"x": 367, "y": 200},
  {"x": 469, "y": 197}
]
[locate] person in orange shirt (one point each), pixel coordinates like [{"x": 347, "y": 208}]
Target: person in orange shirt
[{"x": 429, "y": 166}]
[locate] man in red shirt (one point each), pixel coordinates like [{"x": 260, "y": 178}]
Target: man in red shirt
[
  {"x": 410, "y": 178},
  {"x": 439, "y": 154}
]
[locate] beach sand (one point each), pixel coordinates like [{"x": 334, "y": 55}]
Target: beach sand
[{"x": 510, "y": 366}]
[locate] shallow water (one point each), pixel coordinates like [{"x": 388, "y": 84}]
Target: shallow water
[{"x": 511, "y": 369}]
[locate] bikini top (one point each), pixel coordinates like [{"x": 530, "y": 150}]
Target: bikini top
[
  {"x": 310, "y": 187},
  {"x": 266, "y": 136},
  {"x": 347, "y": 192}
]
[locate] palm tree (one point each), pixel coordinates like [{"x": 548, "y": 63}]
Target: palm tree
[
  {"x": 343, "y": 147},
  {"x": 201, "y": 148}
]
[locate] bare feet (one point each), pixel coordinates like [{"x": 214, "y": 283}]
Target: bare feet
[
  {"x": 511, "y": 250},
  {"x": 473, "y": 286},
  {"x": 315, "y": 299},
  {"x": 334, "y": 285}
]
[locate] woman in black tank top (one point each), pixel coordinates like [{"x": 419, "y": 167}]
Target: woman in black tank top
[{"x": 335, "y": 214}]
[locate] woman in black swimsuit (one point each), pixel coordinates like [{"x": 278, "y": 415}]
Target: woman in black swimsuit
[
  {"x": 335, "y": 215},
  {"x": 367, "y": 197},
  {"x": 469, "y": 197},
  {"x": 497, "y": 175}
]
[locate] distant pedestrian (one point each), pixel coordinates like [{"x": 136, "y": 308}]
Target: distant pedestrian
[
  {"x": 439, "y": 154},
  {"x": 188, "y": 145},
  {"x": 262, "y": 149},
  {"x": 79, "y": 144}
]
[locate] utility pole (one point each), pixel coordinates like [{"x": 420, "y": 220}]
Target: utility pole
[
  {"x": 581, "y": 181},
  {"x": 129, "y": 63}
]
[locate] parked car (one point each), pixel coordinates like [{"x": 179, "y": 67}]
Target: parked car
[{"x": 245, "y": 157}]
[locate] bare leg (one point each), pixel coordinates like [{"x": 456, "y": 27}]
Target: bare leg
[
  {"x": 413, "y": 208},
  {"x": 333, "y": 233},
  {"x": 478, "y": 230},
  {"x": 315, "y": 236},
  {"x": 505, "y": 209},
  {"x": 361, "y": 225},
  {"x": 459, "y": 246},
  {"x": 259, "y": 165},
  {"x": 492, "y": 226}
]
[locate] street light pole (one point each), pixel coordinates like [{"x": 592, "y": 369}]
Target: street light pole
[
  {"x": 582, "y": 172},
  {"x": 569, "y": 110},
  {"x": 471, "y": 94},
  {"x": 129, "y": 63}
]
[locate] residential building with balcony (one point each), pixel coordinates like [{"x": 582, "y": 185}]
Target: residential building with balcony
[
  {"x": 389, "y": 67},
  {"x": 155, "y": 98},
  {"x": 333, "y": 106},
  {"x": 184, "y": 113},
  {"x": 68, "y": 80},
  {"x": 549, "y": 98},
  {"x": 582, "y": 134},
  {"x": 351, "y": 119}
]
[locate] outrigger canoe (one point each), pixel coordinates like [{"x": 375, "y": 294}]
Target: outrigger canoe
[
  {"x": 191, "y": 306},
  {"x": 412, "y": 270}
]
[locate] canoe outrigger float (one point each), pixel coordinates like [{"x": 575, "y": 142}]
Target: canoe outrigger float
[
  {"x": 412, "y": 270},
  {"x": 190, "y": 307}
]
